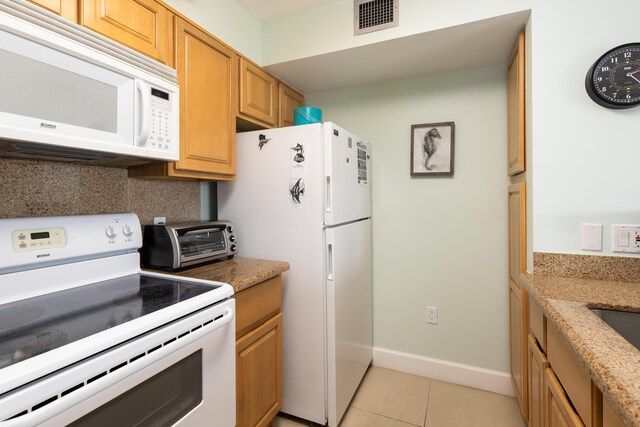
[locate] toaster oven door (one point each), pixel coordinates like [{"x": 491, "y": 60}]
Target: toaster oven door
[{"x": 199, "y": 245}]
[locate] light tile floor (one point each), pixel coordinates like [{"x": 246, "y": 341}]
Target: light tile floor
[{"x": 389, "y": 398}]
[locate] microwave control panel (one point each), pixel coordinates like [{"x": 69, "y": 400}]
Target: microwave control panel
[{"x": 160, "y": 132}]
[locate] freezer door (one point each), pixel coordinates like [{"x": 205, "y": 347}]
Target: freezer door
[
  {"x": 349, "y": 313},
  {"x": 347, "y": 176}
]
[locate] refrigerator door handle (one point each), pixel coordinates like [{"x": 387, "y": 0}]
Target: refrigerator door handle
[
  {"x": 330, "y": 261},
  {"x": 328, "y": 192}
]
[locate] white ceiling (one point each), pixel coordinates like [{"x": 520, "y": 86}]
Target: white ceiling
[
  {"x": 264, "y": 10},
  {"x": 471, "y": 45}
]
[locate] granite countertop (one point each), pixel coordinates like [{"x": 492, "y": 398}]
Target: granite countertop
[
  {"x": 240, "y": 273},
  {"x": 612, "y": 362}
]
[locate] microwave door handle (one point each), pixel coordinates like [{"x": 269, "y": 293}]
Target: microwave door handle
[{"x": 144, "y": 111}]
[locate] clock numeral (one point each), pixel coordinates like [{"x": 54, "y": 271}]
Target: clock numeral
[
  {"x": 628, "y": 96},
  {"x": 605, "y": 69},
  {"x": 627, "y": 54},
  {"x": 599, "y": 79},
  {"x": 615, "y": 94},
  {"x": 604, "y": 89},
  {"x": 614, "y": 60}
]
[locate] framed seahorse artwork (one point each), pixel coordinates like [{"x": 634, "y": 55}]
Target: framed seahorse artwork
[{"x": 432, "y": 149}]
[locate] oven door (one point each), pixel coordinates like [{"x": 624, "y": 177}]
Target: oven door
[{"x": 182, "y": 374}]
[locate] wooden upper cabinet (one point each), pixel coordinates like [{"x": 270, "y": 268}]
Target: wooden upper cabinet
[
  {"x": 206, "y": 73},
  {"x": 517, "y": 233},
  {"x": 207, "y": 77},
  {"x": 516, "y": 108},
  {"x": 138, "y": 24},
  {"x": 258, "y": 94},
  {"x": 65, "y": 8},
  {"x": 288, "y": 100}
]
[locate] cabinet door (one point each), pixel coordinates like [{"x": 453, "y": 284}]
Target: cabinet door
[
  {"x": 206, "y": 74},
  {"x": 138, "y": 24},
  {"x": 258, "y": 92},
  {"x": 259, "y": 374},
  {"x": 558, "y": 410},
  {"x": 610, "y": 417},
  {"x": 65, "y": 8},
  {"x": 288, "y": 100},
  {"x": 516, "y": 108},
  {"x": 518, "y": 347},
  {"x": 537, "y": 365},
  {"x": 517, "y": 232}
]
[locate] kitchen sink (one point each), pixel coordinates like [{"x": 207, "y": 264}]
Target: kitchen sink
[{"x": 625, "y": 323}]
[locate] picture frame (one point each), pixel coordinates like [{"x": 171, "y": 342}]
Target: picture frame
[{"x": 432, "y": 149}]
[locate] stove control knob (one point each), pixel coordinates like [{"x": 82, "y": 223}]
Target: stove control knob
[
  {"x": 110, "y": 232},
  {"x": 127, "y": 231}
]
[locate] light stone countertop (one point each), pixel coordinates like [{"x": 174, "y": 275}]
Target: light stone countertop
[
  {"x": 240, "y": 273},
  {"x": 612, "y": 362}
]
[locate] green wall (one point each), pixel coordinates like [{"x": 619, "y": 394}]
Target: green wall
[{"x": 438, "y": 241}]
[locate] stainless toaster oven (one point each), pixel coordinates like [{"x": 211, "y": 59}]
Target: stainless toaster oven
[{"x": 188, "y": 243}]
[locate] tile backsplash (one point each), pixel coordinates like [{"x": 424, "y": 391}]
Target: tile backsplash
[{"x": 38, "y": 188}]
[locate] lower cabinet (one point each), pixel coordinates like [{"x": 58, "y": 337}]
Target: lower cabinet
[
  {"x": 560, "y": 390},
  {"x": 259, "y": 353},
  {"x": 518, "y": 345},
  {"x": 538, "y": 364},
  {"x": 610, "y": 417},
  {"x": 558, "y": 409}
]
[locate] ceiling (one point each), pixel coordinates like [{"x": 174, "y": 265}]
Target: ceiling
[
  {"x": 266, "y": 10},
  {"x": 475, "y": 44}
]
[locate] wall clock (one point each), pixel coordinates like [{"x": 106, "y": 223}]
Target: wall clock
[{"x": 613, "y": 81}]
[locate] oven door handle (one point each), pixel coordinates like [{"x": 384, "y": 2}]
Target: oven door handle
[{"x": 60, "y": 404}]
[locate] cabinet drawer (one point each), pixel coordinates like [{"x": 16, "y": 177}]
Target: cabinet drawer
[
  {"x": 538, "y": 324},
  {"x": 574, "y": 378},
  {"x": 257, "y": 304}
]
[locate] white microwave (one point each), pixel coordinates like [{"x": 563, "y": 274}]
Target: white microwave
[{"x": 67, "y": 93}]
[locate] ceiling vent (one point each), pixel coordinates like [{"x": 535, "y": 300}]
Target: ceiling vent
[{"x": 374, "y": 15}]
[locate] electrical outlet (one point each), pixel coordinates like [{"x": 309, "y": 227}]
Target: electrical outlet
[
  {"x": 432, "y": 315},
  {"x": 159, "y": 220}
]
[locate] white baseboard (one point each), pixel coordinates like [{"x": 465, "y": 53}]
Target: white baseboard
[{"x": 456, "y": 373}]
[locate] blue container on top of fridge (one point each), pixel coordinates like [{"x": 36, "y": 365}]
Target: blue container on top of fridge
[{"x": 307, "y": 115}]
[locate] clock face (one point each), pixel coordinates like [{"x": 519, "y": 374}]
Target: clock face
[{"x": 613, "y": 81}]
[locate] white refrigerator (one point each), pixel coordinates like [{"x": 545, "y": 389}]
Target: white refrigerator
[{"x": 303, "y": 194}]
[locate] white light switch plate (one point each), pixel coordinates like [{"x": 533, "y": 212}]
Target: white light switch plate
[
  {"x": 626, "y": 238},
  {"x": 592, "y": 237}
]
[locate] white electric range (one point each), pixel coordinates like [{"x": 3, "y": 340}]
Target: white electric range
[{"x": 88, "y": 339}]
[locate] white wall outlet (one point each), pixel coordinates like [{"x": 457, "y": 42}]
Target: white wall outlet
[
  {"x": 159, "y": 220},
  {"x": 591, "y": 237},
  {"x": 432, "y": 315},
  {"x": 626, "y": 238}
]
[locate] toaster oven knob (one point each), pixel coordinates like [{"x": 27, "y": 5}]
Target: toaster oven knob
[
  {"x": 110, "y": 232},
  {"x": 232, "y": 238},
  {"x": 233, "y": 248},
  {"x": 127, "y": 231}
]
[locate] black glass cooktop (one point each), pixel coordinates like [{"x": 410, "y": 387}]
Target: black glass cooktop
[{"x": 40, "y": 324}]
